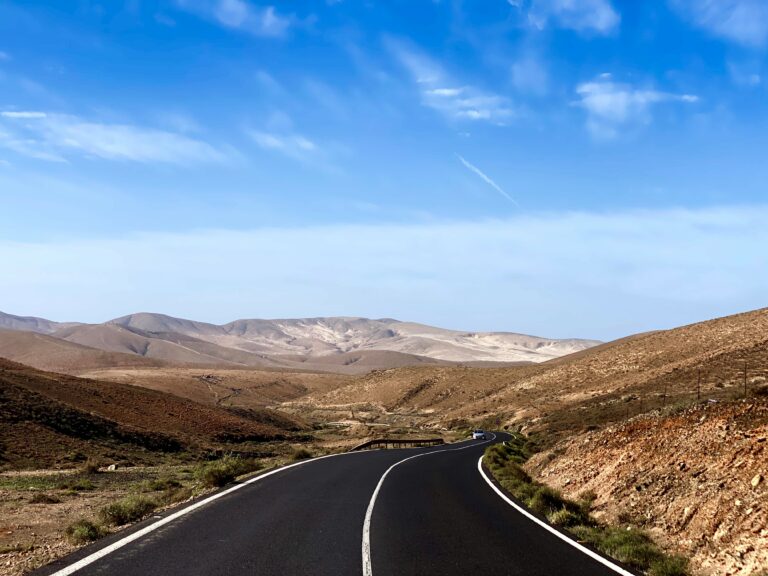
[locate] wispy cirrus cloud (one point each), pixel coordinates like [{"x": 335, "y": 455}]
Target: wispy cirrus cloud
[
  {"x": 241, "y": 15},
  {"x": 485, "y": 178},
  {"x": 290, "y": 144},
  {"x": 58, "y": 137},
  {"x": 439, "y": 91},
  {"x": 612, "y": 105},
  {"x": 742, "y": 21},
  {"x": 23, "y": 114},
  {"x": 593, "y": 16}
]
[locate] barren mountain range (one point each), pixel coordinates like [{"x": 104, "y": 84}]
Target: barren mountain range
[
  {"x": 668, "y": 428},
  {"x": 340, "y": 344}
]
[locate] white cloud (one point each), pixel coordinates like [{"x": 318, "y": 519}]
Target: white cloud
[
  {"x": 241, "y": 15},
  {"x": 611, "y": 105},
  {"x": 741, "y": 21},
  {"x": 595, "y": 16},
  {"x": 485, "y": 178},
  {"x": 56, "y": 137},
  {"x": 289, "y": 144},
  {"x": 282, "y": 143},
  {"x": 570, "y": 274},
  {"x": 440, "y": 92},
  {"x": 22, "y": 114}
]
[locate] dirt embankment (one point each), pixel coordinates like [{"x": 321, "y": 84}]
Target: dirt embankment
[{"x": 696, "y": 479}]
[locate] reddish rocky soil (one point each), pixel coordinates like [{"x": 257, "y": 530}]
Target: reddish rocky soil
[{"x": 697, "y": 479}]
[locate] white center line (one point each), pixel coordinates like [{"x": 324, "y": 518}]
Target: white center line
[
  {"x": 90, "y": 559},
  {"x": 367, "y": 568}
]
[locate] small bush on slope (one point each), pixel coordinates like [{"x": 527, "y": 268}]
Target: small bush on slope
[
  {"x": 221, "y": 472},
  {"x": 129, "y": 509},
  {"x": 83, "y": 531}
]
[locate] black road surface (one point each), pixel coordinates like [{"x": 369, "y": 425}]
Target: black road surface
[{"x": 434, "y": 515}]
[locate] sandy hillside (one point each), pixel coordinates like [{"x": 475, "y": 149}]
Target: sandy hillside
[{"x": 48, "y": 353}]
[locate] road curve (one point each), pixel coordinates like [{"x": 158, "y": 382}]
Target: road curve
[{"x": 433, "y": 513}]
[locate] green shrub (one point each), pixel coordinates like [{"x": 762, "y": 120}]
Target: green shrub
[
  {"x": 173, "y": 495},
  {"x": 76, "y": 484},
  {"x": 301, "y": 454},
  {"x": 565, "y": 518},
  {"x": 670, "y": 566},
  {"x": 83, "y": 531},
  {"x": 128, "y": 509},
  {"x": 633, "y": 547},
  {"x": 159, "y": 484},
  {"x": 43, "y": 498},
  {"x": 546, "y": 501},
  {"x": 586, "y": 501},
  {"x": 221, "y": 472}
]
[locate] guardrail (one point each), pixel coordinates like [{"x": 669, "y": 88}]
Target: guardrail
[{"x": 384, "y": 443}]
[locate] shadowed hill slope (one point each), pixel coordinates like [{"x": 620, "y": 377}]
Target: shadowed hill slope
[{"x": 45, "y": 416}]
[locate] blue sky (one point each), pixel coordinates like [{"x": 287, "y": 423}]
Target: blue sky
[{"x": 560, "y": 167}]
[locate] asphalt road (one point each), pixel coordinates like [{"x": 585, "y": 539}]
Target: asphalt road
[{"x": 433, "y": 514}]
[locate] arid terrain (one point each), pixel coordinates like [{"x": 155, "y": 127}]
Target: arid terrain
[
  {"x": 667, "y": 428},
  {"x": 695, "y": 477},
  {"x": 227, "y": 387},
  {"x": 47, "y": 418},
  {"x": 323, "y": 344}
]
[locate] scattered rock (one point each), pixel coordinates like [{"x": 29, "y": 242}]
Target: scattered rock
[{"x": 756, "y": 480}]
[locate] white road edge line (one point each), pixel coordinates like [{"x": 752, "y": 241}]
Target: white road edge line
[
  {"x": 367, "y": 567},
  {"x": 563, "y": 537},
  {"x": 90, "y": 559}
]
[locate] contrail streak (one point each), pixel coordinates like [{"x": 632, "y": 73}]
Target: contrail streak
[{"x": 486, "y": 179}]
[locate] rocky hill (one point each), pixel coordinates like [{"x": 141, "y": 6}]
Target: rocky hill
[{"x": 696, "y": 478}]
